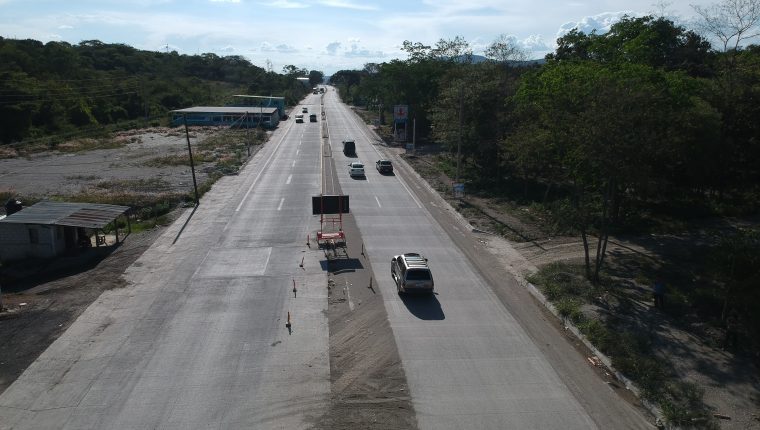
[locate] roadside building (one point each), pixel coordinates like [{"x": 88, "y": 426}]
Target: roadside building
[
  {"x": 260, "y": 101},
  {"x": 48, "y": 229},
  {"x": 233, "y": 116}
]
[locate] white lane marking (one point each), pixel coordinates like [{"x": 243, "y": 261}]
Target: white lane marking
[
  {"x": 289, "y": 179},
  {"x": 237, "y": 209},
  {"x": 281, "y": 201},
  {"x": 297, "y": 151},
  {"x": 378, "y": 202},
  {"x": 294, "y": 163},
  {"x": 410, "y": 193}
]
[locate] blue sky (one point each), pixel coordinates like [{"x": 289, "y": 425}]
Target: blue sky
[{"x": 325, "y": 35}]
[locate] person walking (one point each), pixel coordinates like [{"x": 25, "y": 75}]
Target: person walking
[{"x": 659, "y": 294}]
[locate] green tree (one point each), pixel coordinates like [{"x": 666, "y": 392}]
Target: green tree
[
  {"x": 602, "y": 130},
  {"x": 316, "y": 77}
]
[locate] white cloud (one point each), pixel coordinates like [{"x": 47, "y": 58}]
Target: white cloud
[
  {"x": 227, "y": 48},
  {"x": 346, "y": 5},
  {"x": 535, "y": 43},
  {"x": 332, "y": 48},
  {"x": 285, "y": 4},
  {"x": 601, "y": 23},
  {"x": 357, "y": 51},
  {"x": 225, "y": 1},
  {"x": 285, "y": 48},
  {"x": 65, "y": 27}
]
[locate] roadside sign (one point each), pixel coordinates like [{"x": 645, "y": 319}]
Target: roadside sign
[{"x": 400, "y": 112}]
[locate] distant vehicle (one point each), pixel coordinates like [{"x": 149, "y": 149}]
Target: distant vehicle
[
  {"x": 411, "y": 273},
  {"x": 305, "y": 110},
  {"x": 313, "y": 117},
  {"x": 384, "y": 166},
  {"x": 315, "y": 92},
  {"x": 349, "y": 147},
  {"x": 355, "y": 169},
  {"x": 321, "y": 90},
  {"x": 299, "y": 118}
]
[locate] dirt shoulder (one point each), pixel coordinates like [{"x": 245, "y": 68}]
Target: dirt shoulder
[{"x": 368, "y": 384}]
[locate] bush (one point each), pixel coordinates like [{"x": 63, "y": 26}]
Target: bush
[
  {"x": 682, "y": 406},
  {"x": 570, "y": 308}
]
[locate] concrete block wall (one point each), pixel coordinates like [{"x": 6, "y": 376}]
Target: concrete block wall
[{"x": 15, "y": 243}]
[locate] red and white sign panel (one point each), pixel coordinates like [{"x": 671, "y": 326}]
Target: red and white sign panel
[{"x": 400, "y": 112}]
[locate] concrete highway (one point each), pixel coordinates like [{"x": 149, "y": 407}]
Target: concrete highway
[
  {"x": 467, "y": 361},
  {"x": 198, "y": 338}
]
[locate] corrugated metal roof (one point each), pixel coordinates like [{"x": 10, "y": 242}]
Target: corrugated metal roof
[
  {"x": 227, "y": 109},
  {"x": 259, "y": 97},
  {"x": 88, "y": 215}
]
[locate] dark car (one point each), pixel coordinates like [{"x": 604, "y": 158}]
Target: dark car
[
  {"x": 349, "y": 148},
  {"x": 384, "y": 166}
]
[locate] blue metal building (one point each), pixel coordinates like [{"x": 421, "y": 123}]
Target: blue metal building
[
  {"x": 260, "y": 101},
  {"x": 233, "y": 116}
]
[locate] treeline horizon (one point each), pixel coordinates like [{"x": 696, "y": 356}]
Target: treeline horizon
[
  {"x": 49, "y": 91},
  {"x": 639, "y": 130}
]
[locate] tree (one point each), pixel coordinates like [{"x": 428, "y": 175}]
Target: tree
[
  {"x": 656, "y": 42},
  {"x": 731, "y": 21},
  {"x": 737, "y": 259},
  {"x": 293, "y": 71},
  {"x": 316, "y": 77},
  {"x": 504, "y": 50},
  {"x": 601, "y": 131}
]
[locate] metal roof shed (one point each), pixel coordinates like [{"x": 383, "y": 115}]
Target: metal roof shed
[
  {"x": 50, "y": 228},
  {"x": 234, "y": 116}
]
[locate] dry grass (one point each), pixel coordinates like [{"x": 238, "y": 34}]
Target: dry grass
[
  {"x": 8, "y": 152},
  {"x": 80, "y": 145}
]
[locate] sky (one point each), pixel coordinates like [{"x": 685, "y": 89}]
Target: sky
[{"x": 324, "y": 35}]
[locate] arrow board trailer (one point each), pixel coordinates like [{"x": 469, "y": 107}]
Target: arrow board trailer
[{"x": 330, "y": 226}]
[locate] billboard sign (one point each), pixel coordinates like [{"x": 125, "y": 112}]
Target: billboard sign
[{"x": 400, "y": 112}]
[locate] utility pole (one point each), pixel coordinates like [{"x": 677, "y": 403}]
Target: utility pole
[
  {"x": 414, "y": 135},
  {"x": 247, "y": 138},
  {"x": 192, "y": 165},
  {"x": 459, "y": 144},
  {"x": 145, "y": 97}
]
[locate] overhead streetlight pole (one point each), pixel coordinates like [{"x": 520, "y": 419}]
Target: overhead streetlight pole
[{"x": 192, "y": 165}]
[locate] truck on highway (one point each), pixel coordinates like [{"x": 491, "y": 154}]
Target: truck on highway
[{"x": 349, "y": 147}]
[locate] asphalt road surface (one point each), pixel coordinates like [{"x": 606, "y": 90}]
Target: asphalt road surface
[{"x": 198, "y": 339}]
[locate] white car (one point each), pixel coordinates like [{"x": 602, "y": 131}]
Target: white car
[{"x": 355, "y": 169}]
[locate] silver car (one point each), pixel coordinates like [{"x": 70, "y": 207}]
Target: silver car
[{"x": 355, "y": 169}]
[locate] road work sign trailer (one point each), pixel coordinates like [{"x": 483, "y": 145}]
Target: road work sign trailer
[{"x": 330, "y": 209}]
